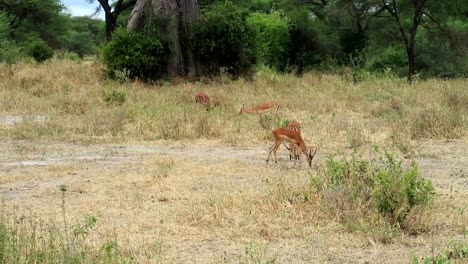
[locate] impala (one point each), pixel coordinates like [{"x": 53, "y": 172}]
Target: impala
[
  {"x": 202, "y": 99},
  {"x": 294, "y": 150},
  {"x": 261, "y": 108},
  {"x": 292, "y": 137}
]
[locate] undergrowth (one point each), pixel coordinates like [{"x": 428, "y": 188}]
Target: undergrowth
[{"x": 375, "y": 195}]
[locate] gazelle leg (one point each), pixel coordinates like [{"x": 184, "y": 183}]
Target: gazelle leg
[
  {"x": 277, "y": 144},
  {"x": 270, "y": 150}
]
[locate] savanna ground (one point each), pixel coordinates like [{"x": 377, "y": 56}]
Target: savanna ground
[{"x": 172, "y": 183}]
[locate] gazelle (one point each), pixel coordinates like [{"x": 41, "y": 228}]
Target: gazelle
[
  {"x": 294, "y": 150},
  {"x": 292, "y": 137},
  {"x": 202, "y": 99},
  {"x": 262, "y": 108}
]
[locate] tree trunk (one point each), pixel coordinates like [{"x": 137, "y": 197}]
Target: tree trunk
[
  {"x": 111, "y": 21},
  {"x": 411, "y": 63},
  {"x": 178, "y": 14},
  {"x": 137, "y": 16}
]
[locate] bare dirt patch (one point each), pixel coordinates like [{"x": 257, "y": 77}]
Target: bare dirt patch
[{"x": 199, "y": 202}]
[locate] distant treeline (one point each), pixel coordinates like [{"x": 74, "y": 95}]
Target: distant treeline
[{"x": 402, "y": 37}]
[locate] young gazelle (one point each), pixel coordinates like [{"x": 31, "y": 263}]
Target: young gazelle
[
  {"x": 202, "y": 99},
  {"x": 292, "y": 137},
  {"x": 294, "y": 150},
  {"x": 262, "y": 108}
]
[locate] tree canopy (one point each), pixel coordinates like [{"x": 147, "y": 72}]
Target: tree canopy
[{"x": 427, "y": 38}]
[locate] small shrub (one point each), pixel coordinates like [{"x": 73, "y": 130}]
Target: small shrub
[
  {"x": 359, "y": 188},
  {"x": 136, "y": 54},
  {"x": 39, "y": 50},
  {"x": 455, "y": 252},
  {"x": 67, "y": 55},
  {"x": 396, "y": 191},
  {"x": 115, "y": 97}
]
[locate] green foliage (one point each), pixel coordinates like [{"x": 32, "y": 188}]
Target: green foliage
[
  {"x": 393, "y": 58},
  {"x": 314, "y": 42},
  {"x": 115, "y": 97},
  {"x": 272, "y": 38},
  {"x": 10, "y": 52},
  {"x": 39, "y": 50},
  {"x": 137, "y": 55},
  {"x": 223, "y": 42},
  {"x": 66, "y": 55},
  {"x": 83, "y": 36},
  {"x": 443, "y": 54},
  {"x": 381, "y": 185},
  {"x": 28, "y": 240},
  {"x": 455, "y": 252},
  {"x": 397, "y": 191}
]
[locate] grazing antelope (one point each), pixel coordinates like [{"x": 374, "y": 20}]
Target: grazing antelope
[
  {"x": 294, "y": 150},
  {"x": 292, "y": 137},
  {"x": 261, "y": 109},
  {"x": 202, "y": 99}
]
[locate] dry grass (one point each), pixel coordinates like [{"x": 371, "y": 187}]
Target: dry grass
[
  {"x": 171, "y": 183},
  {"x": 80, "y": 105}
]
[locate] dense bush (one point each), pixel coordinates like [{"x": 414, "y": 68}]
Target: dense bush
[
  {"x": 272, "y": 38},
  {"x": 136, "y": 55},
  {"x": 223, "y": 41},
  {"x": 314, "y": 42},
  {"x": 39, "y": 50}
]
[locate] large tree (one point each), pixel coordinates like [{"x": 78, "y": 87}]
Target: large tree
[
  {"x": 409, "y": 15},
  {"x": 174, "y": 18},
  {"x": 112, "y": 10},
  {"x": 38, "y": 12}
]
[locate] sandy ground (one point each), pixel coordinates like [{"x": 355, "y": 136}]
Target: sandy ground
[{"x": 198, "y": 202}]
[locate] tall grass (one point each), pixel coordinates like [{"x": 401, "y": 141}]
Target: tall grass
[{"x": 79, "y": 104}]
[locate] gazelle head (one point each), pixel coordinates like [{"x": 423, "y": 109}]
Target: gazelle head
[
  {"x": 242, "y": 109},
  {"x": 310, "y": 155}
]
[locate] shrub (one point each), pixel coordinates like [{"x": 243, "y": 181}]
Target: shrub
[
  {"x": 137, "y": 55},
  {"x": 115, "y": 97},
  {"x": 272, "y": 38},
  {"x": 358, "y": 188},
  {"x": 223, "y": 41},
  {"x": 396, "y": 191},
  {"x": 39, "y": 50},
  {"x": 455, "y": 252},
  {"x": 393, "y": 58}
]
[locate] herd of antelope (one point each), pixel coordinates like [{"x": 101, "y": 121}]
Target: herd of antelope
[{"x": 290, "y": 134}]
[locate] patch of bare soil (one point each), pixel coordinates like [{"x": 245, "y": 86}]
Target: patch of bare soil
[{"x": 193, "y": 200}]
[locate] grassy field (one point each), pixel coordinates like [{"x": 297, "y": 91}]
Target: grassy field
[{"x": 95, "y": 170}]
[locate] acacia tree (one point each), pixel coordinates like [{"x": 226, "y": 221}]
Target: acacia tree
[
  {"x": 408, "y": 15},
  {"x": 112, "y": 11},
  {"x": 174, "y": 18}
]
